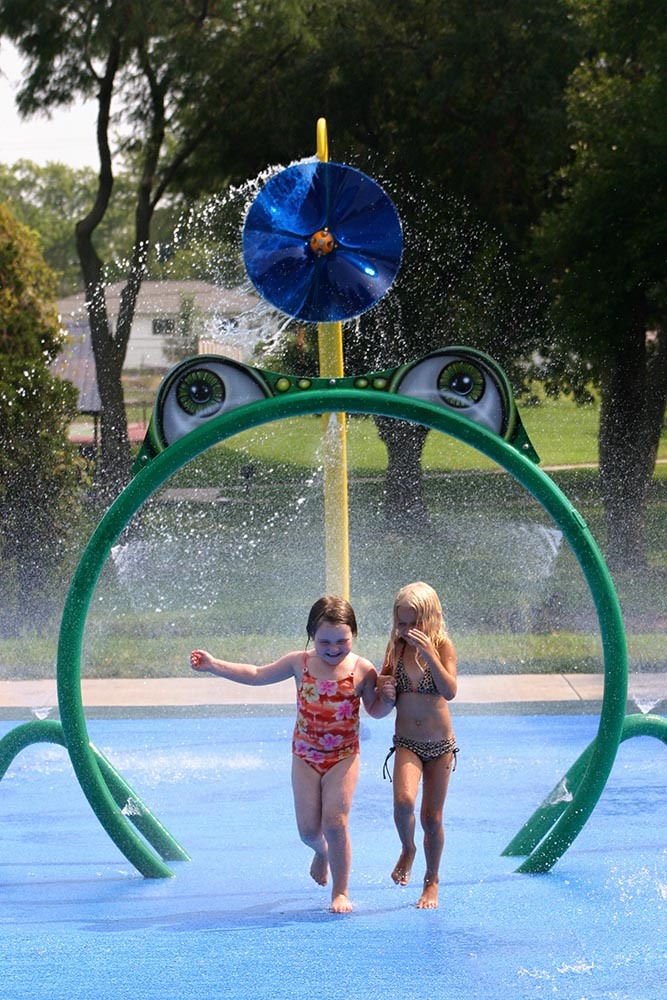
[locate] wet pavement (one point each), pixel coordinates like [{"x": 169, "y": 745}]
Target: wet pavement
[{"x": 243, "y": 921}]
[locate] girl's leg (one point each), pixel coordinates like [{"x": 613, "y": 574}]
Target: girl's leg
[
  {"x": 338, "y": 786},
  {"x": 407, "y": 773},
  {"x": 307, "y": 789},
  {"x": 436, "y": 780}
]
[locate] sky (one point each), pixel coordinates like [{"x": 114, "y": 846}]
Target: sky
[{"x": 68, "y": 137}]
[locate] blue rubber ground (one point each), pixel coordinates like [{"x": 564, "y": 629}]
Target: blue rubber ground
[{"x": 243, "y": 920}]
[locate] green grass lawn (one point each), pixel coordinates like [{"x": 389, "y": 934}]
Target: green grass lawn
[
  {"x": 238, "y": 575},
  {"x": 563, "y": 434}
]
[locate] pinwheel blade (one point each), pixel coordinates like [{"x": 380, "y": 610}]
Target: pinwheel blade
[{"x": 322, "y": 242}]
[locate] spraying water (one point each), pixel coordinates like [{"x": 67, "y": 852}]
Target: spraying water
[{"x": 244, "y": 553}]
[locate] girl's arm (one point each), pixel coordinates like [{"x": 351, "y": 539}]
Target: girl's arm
[
  {"x": 245, "y": 673},
  {"x": 386, "y": 682},
  {"x": 445, "y": 675},
  {"x": 377, "y": 693},
  {"x": 386, "y": 670}
]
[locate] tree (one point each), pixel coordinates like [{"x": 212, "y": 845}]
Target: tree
[
  {"x": 183, "y": 336},
  {"x": 465, "y": 97},
  {"x": 432, "y": 95},
  {"x": 603, "y": 244},
  {"x": 156, "y": 62},
  {"x": 458, "y": 109},
  {"x": 49, "y": 199},
  {"x": 38, "y": 466}
]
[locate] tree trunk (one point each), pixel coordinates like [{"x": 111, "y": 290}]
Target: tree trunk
[
  {"x": 114, "y": 460},
  {"x": 113, "y": 465},
  {"x": 632, "y": 409},
  {"x": 404, "y": 506},
  {"x": 110, "y": 346}
]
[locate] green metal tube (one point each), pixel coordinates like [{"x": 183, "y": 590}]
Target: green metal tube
[
  {"x": 17, "y": 739},
  {"x": 644, "y": 725},
  {"x": 138, "y": 812},
  {"x": 51, "y": 731},
  {"x": 548, "y": 812},
  {"x": 334, "y": 399}
]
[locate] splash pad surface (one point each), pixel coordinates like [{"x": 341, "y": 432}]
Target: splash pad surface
[{"x": 243, "y": 919}]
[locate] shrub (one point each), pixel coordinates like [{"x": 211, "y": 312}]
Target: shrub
[{"x": 39, "y": 468}]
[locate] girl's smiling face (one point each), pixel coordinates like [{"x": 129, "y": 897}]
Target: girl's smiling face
[{"x": 332, "y": 642}]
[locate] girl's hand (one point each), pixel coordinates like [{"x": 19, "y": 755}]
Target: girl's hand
[
  {"x": 414, "y": 637},
  {"x": 387, "y": 688},
  {"x": 200, "y": 660},
  {"x": 423, "y": 644}
]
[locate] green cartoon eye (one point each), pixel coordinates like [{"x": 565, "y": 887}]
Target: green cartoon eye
[
  {"x": 200, "y": 393},
  {"x": 459, "y": 378},
  {"x": 461, "y": 383},
  {"x": 200, "y": 389}
]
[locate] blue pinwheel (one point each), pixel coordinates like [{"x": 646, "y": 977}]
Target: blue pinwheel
[{"x": 322, "y": 242}]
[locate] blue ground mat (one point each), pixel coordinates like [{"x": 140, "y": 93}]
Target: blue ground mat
[{"x": 243, "y": 920}]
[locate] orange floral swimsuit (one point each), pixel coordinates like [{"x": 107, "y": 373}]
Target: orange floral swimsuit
[{"x": 327, "y": 720}]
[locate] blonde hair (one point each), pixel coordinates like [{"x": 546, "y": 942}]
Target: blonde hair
[{"x": 422, "y": 598}]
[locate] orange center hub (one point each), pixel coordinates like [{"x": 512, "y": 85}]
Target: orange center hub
[{"x": 322, "y": 242}]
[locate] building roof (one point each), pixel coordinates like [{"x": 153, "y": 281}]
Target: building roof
[
  {"x": 76, "y": 362},
  {"x": 165, "y": 297}
]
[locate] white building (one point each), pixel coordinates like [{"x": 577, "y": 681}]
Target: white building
[{"x": 209, "y": 318}]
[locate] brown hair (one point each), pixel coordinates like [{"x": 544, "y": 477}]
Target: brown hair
[{"x": 334, "y": 610}]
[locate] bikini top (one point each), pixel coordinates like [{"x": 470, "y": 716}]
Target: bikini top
[{"x": 426, "y": 683}]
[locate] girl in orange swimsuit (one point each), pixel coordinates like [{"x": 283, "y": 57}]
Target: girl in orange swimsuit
[
  {"x": 327, "y": 721},
  {"x": 331, "y": 684},
  {"x": 419, "y": 671}
]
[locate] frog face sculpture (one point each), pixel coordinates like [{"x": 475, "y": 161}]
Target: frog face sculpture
[{"x": 459, "y": 379}]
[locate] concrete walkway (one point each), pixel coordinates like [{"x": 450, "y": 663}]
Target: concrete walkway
[{"x": 205, "y": 695}]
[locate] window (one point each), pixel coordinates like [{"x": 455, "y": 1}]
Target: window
[{"x": 164, "y": 327}]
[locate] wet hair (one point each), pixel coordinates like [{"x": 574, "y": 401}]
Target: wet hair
[
  {"x": 331, "y": 609},
  {"x": 422, "y": 598}
]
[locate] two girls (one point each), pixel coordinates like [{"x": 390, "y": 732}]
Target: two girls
[{"x": 418, "y": 676}]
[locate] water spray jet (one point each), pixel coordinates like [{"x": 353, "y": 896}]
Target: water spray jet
[{"x": 204, "y": 400}]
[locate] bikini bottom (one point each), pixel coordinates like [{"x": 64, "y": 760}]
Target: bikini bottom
[{"x": 428, "y": 750}]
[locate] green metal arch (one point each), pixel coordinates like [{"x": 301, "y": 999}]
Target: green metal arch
[{"x": 331, "y": 400}]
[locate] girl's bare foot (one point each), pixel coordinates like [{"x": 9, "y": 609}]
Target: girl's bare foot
[
  {"x": 429, "y": 897},
  {"x": 319, "y": 868},
  {"x": 341, "y": 903},
  {"x": 401, "y": 873}
]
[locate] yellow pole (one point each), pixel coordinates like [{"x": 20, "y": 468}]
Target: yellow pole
[{"x": 334, "y": 450}]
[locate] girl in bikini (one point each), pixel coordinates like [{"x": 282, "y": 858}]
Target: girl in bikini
[
  {"x": 331, "y": 682},
  {"x": 419, "y": 672}
]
